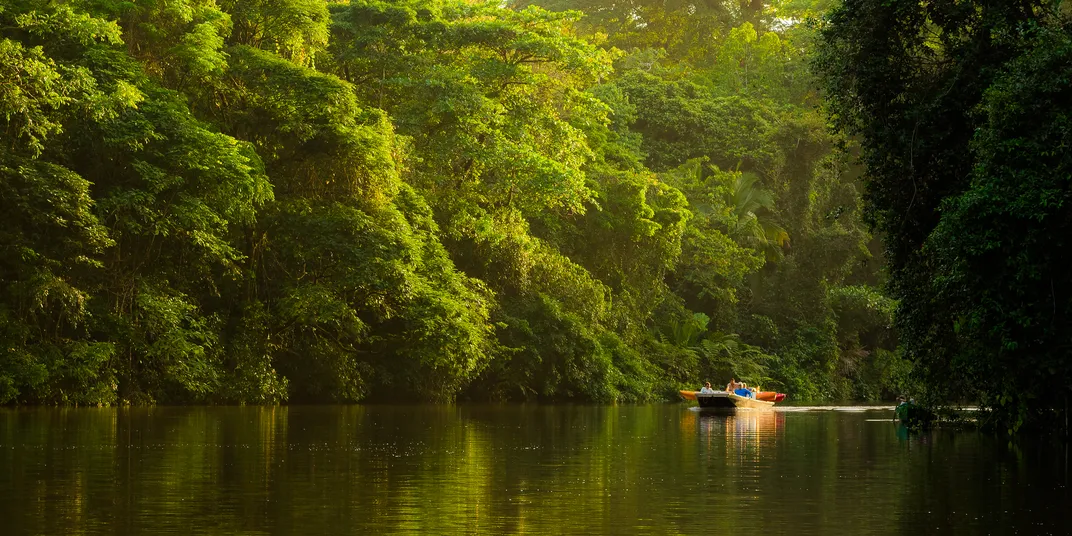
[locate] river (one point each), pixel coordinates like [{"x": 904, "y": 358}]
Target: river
[{"x": 651, "y": 469}]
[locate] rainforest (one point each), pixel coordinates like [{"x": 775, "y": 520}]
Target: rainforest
[{"x": 262, "y": 202}]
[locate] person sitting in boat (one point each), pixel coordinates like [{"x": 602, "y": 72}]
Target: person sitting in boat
[
  {"x": 743, "y": 390},
  {"x": 732, "y": 386},
  {"x": 706, "y": 389}
]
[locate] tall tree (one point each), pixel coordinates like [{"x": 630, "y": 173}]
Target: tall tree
[{"x": 962, "y": 122}]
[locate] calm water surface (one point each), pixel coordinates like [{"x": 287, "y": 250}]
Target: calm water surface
[{"x": 660, "y": 469}]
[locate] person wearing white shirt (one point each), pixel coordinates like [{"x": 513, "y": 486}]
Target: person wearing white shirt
[{"x": 706, "y": 389}]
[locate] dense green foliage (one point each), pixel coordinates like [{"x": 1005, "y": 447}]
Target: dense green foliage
[
  {"x": 775, "y": 256},
  {"x": 963, "y": 113},
  {"x": 252, "y": 201}
]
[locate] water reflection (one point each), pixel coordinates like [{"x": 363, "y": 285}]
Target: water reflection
[
  {"x": 744, "y": 433},
  {"x": 511, "y": 469},
  {"x": 752, "y": 427}
]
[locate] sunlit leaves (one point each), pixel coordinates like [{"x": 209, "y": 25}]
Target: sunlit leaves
[
  {"x": 404, "y": 314},
  {"x": 51, "y": 247},
  {"x": 682, "y": 120},
  {"x": 63, "y": 23},
  {"x": 34, "y": 91},
  {"x": 487, "y": 95},
  {"x": 759, "y": 64},
  {"x": 293, "y": 29},
  {"x": 179, "y": 40},
  {"x": 308, "y": 126}
]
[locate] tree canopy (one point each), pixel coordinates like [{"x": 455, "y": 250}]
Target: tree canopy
[
  {"x": 258, "y": 202},
  {"x": 961, "y": 111}
]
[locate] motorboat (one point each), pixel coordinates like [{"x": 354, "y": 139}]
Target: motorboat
[{"x": 727, "y": 400}]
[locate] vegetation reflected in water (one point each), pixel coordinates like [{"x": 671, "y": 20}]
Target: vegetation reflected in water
[{"x": 512, "y": 469}]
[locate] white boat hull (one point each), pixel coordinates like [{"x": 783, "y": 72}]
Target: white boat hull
[{"x": 723, "y": 399}]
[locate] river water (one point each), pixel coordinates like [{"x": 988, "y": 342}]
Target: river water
[{"x": 658, "y": 469}]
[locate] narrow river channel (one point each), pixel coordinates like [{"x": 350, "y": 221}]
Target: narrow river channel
[{"x": 654, "y": 469}]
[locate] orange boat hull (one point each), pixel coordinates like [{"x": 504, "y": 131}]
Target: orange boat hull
[
  {"x": 770, "y": 396},
  {"x": 766, "y": 396}
]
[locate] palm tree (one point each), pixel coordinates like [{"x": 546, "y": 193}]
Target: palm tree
[
  {"x": 748, "y": 199},
  {"x": 688, "y": 332},
  {"x": 724, "y": 355}
]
